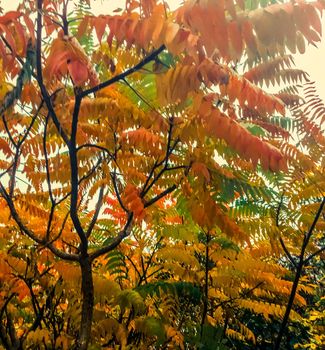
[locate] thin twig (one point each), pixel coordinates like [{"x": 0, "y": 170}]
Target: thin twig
[
  {"x": 118, "y": 196},
  {"x": 319, "y": 251},
  {"x": 289, "y": 256},
  {"x": 97, "y": 211}
]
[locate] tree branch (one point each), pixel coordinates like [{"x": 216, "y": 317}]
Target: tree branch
[
  {"x": 289, "y": 256},
  {"x": 39, "y": 74},
  {"x": 319, "y": 251},
  {"x": 113, "y": 177},
  {"x": 8, "y": 131},
  {"x": 29, "y": 233},
  {"x": 123, "y": 75},
  {"x": 97, "y": 210},
  {"x": 48, "y": 177},
  {"x": 74, "y": 178},
  {"x": 116, "y": 241},
  {"x": 101, "y": 148},
  {"x": 144, "y": 276},
  {"x": 297, "y": 276},
  {"x": 159, "y": 196},
  {"x": 242, "y": 295},
  {"x": 84, "y": 177},
  {"x": 147, "y": 186}
]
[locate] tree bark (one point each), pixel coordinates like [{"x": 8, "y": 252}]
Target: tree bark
[
  {"x": 289, "y": 305},
  {"x": 87, "y": 289},
  {"x": 299, "y": 269}
]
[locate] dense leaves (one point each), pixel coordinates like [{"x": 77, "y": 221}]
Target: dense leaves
[{"x": 153, "y": 193}]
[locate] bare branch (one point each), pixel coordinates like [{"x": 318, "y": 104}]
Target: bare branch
[
  {"x": 159, "y": 196},
  {"x": 139, "y": 95},
  {"x": 135, "y": 268},
  {"x": 74, "y": 178},
  {"x": 113, "y": 177},
  {"x": 289, "y": 256},
  {"x": 144, "y": 277},
  {"x": 311, "y": 256},
  {"x": 101, "y": 148},
  {"x": 97, "y": 210},
  {"x": 242, "y": 295},
  {"x": 147, "y": 186},
  {"x": 123, "y": 75},
  {"x": 47, "y": 169},
  {"x": 116, "y": 241}
]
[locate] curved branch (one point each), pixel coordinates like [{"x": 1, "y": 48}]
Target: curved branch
[
  {"x": 29, "y": 233},
  {"x": 113, "y": 177},
  {"x": 97, "y": 210},
  {"x": 297, "y": 276},
  {"x": 289, "y": 256},
  {"x": 116, "y": 241},
  {"x": 75, "y": 178},
  {"x": 161, "y": 195},
  {"x": 46, "y": 97},
  {"x": 84, "y": 177},
  {"x": 123, "y": 75},
  {"x": 91, "y": 145}
]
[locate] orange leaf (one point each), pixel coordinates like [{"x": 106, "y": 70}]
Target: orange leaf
[
  {"x": 230, "y": 7},
  {"x": 235, "y": 38},
  {"x": 100, "y": 25},
  {"x": 9, "y": 36},
  {"x": 9, "y": 17},
  {"x": 30, "y": 26},
  {"x": 200, "y": 169},
  {"x": 248, "y": 36},
  {"x": 21, "y": 37},
  {"x": 171, "y": 31},
  {"x": 234, "y": 87}
]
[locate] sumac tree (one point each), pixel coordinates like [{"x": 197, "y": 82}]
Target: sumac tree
[{"x": 153, "y": 194}]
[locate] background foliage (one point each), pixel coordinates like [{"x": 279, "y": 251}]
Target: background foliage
[{"x": 153, "y": 194}]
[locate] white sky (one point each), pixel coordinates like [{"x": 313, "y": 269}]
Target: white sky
[{"x": 313, "y": 61}]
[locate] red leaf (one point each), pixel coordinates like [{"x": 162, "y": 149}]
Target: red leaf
[
  {"x": 83, "y": 27},
  {"x": 9, "y": 17},
  {"x": 78, "y": 72},
  {"x": 200, "y": 169},
  {"x": 9, "y": 37},
  {"x": 100, "y": 25},
  {"x": 30, "y": 26}
]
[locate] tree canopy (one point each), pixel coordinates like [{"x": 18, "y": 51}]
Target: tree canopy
[{"x": 161, "y": 176}]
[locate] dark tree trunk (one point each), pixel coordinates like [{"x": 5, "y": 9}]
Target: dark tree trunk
[{"x": 87, "y": 290}]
